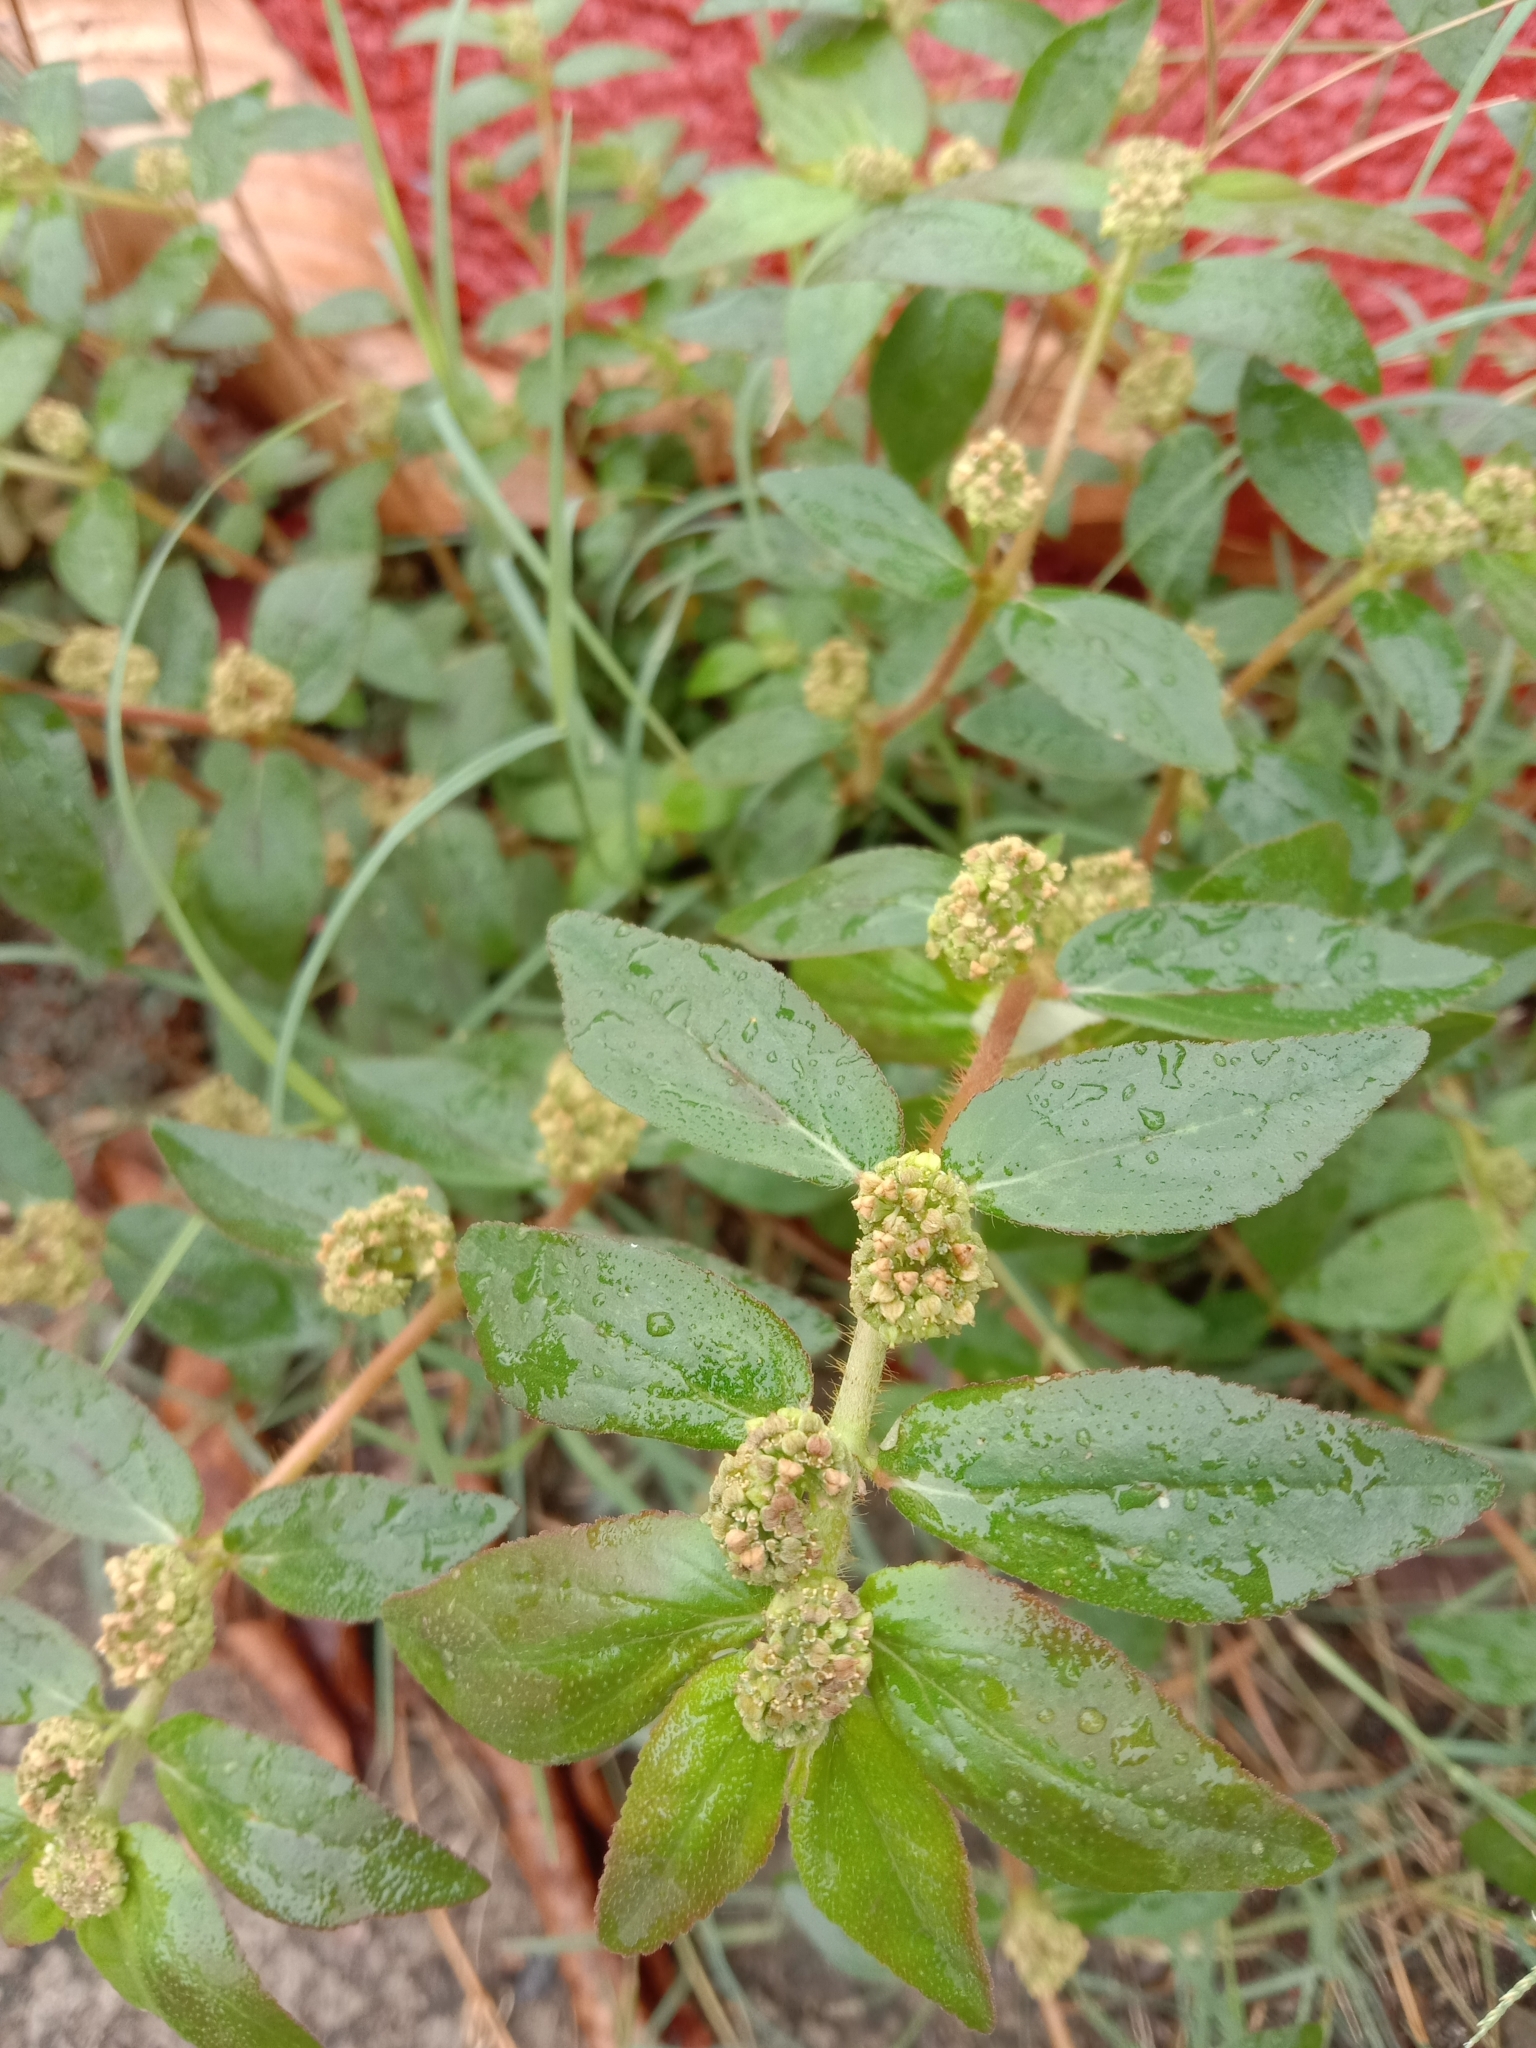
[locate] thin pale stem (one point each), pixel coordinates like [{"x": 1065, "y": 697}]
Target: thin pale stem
[
  {"x": 1320, "y": 613},
  {"x": 132, "y": 1739},
  {"x": 854, "y": 1408},
  {"x": 990, "y": 1056}
]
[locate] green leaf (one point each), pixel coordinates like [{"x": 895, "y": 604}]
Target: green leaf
[
  {"x": 1047, "y": 1739},
  {"x": 17, "y": 1834},
  {"x": 56, "y": 268},
  {"x": 827, "y": 327},
  {"x": 297, "y": 129},
  {"x": 213, "y": 329},
  {"x": 225, "y": 136},
  {"x": 27, "y": 1917},
  {"x": 897, "y": 1004},
  {"x": 931, "y": 377},
  {"x": 336, "y": 1548},
  {"x": 164, "y": 292},
  {"x": 1173, "y": 1137},
  {"x": 595, "y": 63},
  {"x": 1280, "y": 209},
  {"x": 880, "y": 1854},
  {"x": 595, "y": 1334},
  {"x": 181, "y": 628},
  {"x": 1030, "y": 727},
  {"x": 1394, "y": 1273},
  {"x": 312, "y": 620},
  {"x": 854, "y": 905},
  {"x": 1420, "y": 657},
  {"x": 701, "y": 1816},
  {"x": 1288, "y": 312},
  {"x": 1307, "y": 459},
  {"x": 1309, "y": 867},
  {"x": 1276, "y": 793},
  {"x": 28, "y": 358},
  {"x": 567, "y": 1642},
  {"x": 1251, "y": 970},
  {"x": 1172, "y": 1493},
  {"x": 465, "y": 1118},
  {"x": 96, "y": 557},
  {"x": 1491, "y": 1848},
  {"x": 721, "y": 1050},
  {"x": 1174, "y": 521},
  {"x": 221, "y": 1300},
  {"x": 1489, "y": 1655},
  {"x": 30, "y": 1169},
  {"x": 813, "y": 1326},
  {"x": 961, "y": 245},
  {"x": 872, "y": 69},
  {"x": 263, "y": 864},
  {"x": 52, "y": 869},
  {"x": 1135, "y": 676},
  {"x": 292, "y": 1835},
  {"x": 43, "y": 1670},
  {"x": 877, "y": 524},
  {"x": 490, "y": 97},
  {"x": 358, "y": 311},
  {"x": 1508, "y": 589},
  {"x": 1143, "y": 1317},
  {"x": 52, "y": 107},
  {"x": 78, "y": 1452},
  {"x": 763, "y": 745},
  {"x": 137, "y": 403},
  {"x": 753, "y": 213},
  {"x": 1011, "y": 32},
  {"x": 166, "y": 1950},
  {"x": 1068, "y": 98},
  {"x": 277, "y": 1195}
]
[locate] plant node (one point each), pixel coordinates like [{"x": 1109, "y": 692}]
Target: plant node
[
  {"x": 586, "y": 1137},
  {"x": 218, "y": 1103},
  {"x": 990, "y": 482},
  {"x": 837, "y": 680},
  {"x": 1419, "y": 530},
  {"x": 983, "y": 926},
  {"x": 248, "y": 696},
  {"x": 162, "y": 1625},
  {"x": 51, "y": 1256},
  {"x": 778, "y": 1504},
  {"x": 808, "y": 1666},
  {"x": 917, "y": 1269},
  {"x": 59, "y": 430},
  {"x": 371, "y": 1258},
  {"x": 874, "y": 172},
  {"x": 162, "y": 170},
  {"x": 1149, "y": 187},
  {"x": 1155, "y": 387}
]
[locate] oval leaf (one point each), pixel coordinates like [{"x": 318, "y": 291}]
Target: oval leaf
[
  {"x": 877, "y": 524},
  {"x": 1173, "y": 1137},
  {"x": 52, "y": 869},
  {"x": 337, "y": 1548},
  {"x": 595, "y": 1334},
  {"x": 1307, "y": 459},
  {"x": 1289, "y": 312},
  {"x": 1046, "y": 1738},
  {"x": 720, "y": 1050},
  {"x": 1174, "y": 1494},
  {"x": 43, "y": 1670},
  {"x": 468, "y": 1120},
  {"x": 1420, "y": 657},
  {"x": 1488, "y": 1655},
  {"x": 292, "y": 1835},
  {"x": 854, "y": 905},
  {"x": 569, "y": 1641},
  {"x": 961, "y": 245}
]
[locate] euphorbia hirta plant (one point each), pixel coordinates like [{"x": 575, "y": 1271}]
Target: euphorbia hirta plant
[{"x": 875, "y": 1714}]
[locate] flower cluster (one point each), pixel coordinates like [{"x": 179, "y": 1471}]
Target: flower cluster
[
  {"x": 983, "y": 925},
  {"x": 1149, "y": 187},
  {"x": 84, "y": 659},
  {"x": 906, "y": 17},
  {"x": 162, "y": 170},
  {"x": 248, "y": 696},
  {"x": 1502, "y": 498},
  {"x": 20, "y": 157},
  {"x": 1045, "y": 1949},
  {"x": 1155, "y": 386},
  {"x": 57, "y": 429},
  {"x": 837, "y": 680},
  {"x": 51, "y": 1255},
  {"x": 82, "y": 1871},
  {"x": 917, "y": 1268},
  {"x": 586, "y": 1137},
  {"x": 990, "y": 482},
  {"x": 57, "y": 1778},
  {"x": 1205, "y": 638},
  {"x": 1139, "y": 93},
  {"x": 1420, "y": 529},
  {"x": 162, "y": 1624},
  {"x": 1096, "y": 884},
  {"x": 874, "y": 172},
  {"x": 809, "y": 1665},
  {"x": 960, "y": 157},
  {"x": 768, "y": 1500},
  {"x": 371, "y": 1258},
  {"x": 519, "y": 36},
  {"x": 220, "y": 1104},
  {"x": 392, "y": 797}
]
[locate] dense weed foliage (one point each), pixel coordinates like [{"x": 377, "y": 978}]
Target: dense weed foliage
[{"x": 612, "y": 942}]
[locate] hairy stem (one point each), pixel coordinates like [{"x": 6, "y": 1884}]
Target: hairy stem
[
  {"x": 855, "y": 1404},
  {"x": 133, "y": 1737},
  {"x": 1321, "y": 612},
  {"x": 990, "y": 1056}
]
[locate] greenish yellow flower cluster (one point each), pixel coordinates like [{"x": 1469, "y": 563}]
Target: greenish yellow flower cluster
[
  {"x": 20, "y": 158},
  {"x": 1139, "y": 93},
  {"x": 249, "y": 697},
  {"x": 874, "y": 172},
  {"x": 1420, "y": 529},
  {"x": 1149, "y": 187},
  {"x": 221, "y": 1104},
  {"x": 586, "y": 1137},
  {"x": 983, "y": 926},
  {"x": 1502, "y": 498},
  {"x": 837, "y": 680},
  {"x": 57, "y": 429},
  {"x": 391, "y": 798},
  {"x": 809, "y": 1665},
  {"x": 1205, "y": 638},
  {"x": 51, "y": 1256},
  {"x": 519, "y": 36},
  {"x": 371, "y": 1258},
  {"x": 1045, "y": 1950},
  {"x": 961, "y": 157},
  {"x": 918, "y": 1268},
  {"x": 1096, "y": 885},
  {"x": 990, "y": 482},
  {"x": 1155, "y": 387},
  {"x": 57, "y": 1778},
  {"x": 161, "y": 1626},
  {"x": 162, "y": 170},
  {"x": 768, "y": 1500},
  {"x": 82, "y": 663}
]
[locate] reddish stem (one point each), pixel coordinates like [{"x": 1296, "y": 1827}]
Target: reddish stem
[{"x": 991, "y": 1056}]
